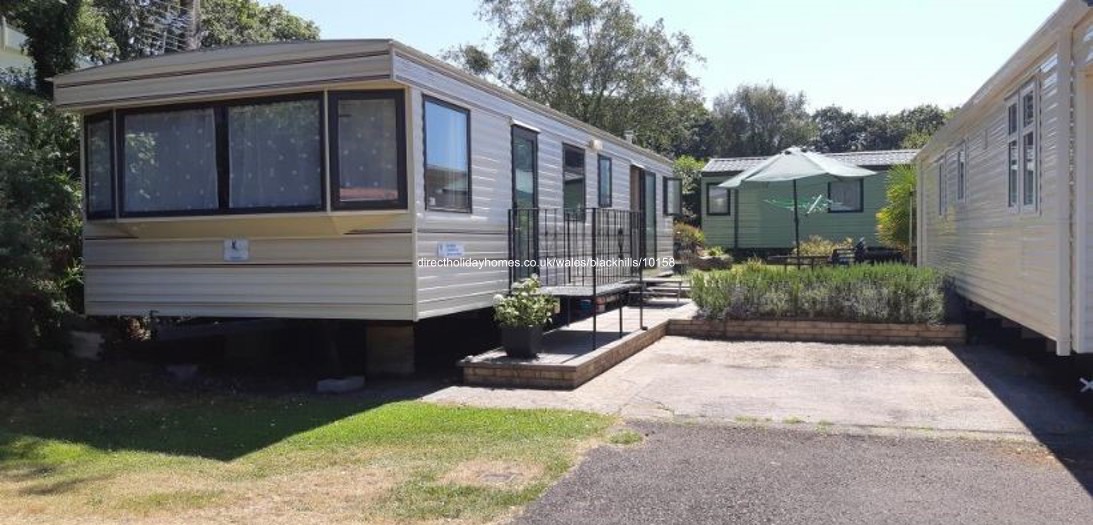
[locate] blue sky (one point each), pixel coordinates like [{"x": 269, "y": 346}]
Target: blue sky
[{"x": 866, "y": 55}]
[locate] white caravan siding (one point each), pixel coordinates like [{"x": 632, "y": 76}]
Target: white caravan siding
[
  {"x": 220, "y": 72},
  {"x": 361, "y": 276},
  {"x": 483, "y": 233},
  {"x": 996, "y": 256},
  {"x": 1029, "y": 265},
  {"x": 1083, "y": 176}
]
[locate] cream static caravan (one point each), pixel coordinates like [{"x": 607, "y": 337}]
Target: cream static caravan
[
  {"x": 1005, "y": 189},
  {"x": 305, "y": 179}
]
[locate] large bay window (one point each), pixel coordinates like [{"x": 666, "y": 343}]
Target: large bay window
[
  {"x": 367, "y": 157},
  {"x": 249, "y": 156},
  {"x": 447, "y": 156},
  {"x": 275, "y": 155},
  {"x": 169, "y": 162},
  {"x": 99, "y": 166}
]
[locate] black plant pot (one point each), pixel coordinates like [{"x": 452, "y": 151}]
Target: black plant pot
[{"x": 522, "y": 341}]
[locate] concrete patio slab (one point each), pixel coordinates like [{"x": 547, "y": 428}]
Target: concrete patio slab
[{"x": 967, "y": 390}]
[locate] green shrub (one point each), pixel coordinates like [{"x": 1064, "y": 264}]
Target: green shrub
[
  {"x": 689, "y": 237},
  {"x": 526, "y": 306},
  {"x": 715, "y": 251},
  {"x": 895, "y": 219},
  {"x": 819, "y": 246},
  {"x": 883, "y": 293},
  {"x": 39, "y": 224}
]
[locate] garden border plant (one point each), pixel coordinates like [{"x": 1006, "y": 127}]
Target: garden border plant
[{"x": 883, "y": 293}]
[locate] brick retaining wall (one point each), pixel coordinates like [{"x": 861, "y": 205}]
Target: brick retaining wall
[
  {"x": 819, "y": 331},
  {"x": 568, "y": 376}
]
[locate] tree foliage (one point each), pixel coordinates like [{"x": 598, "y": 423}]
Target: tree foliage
[
  {"x": 52, "y": 41},
  {"x": 40, "y": 204},
  {"x": 595, "y": 60},
  {"x": 757, "y": 120},
  {"x": 234, "y": 22},
  {"x": 222, "y": 23},
  {"x": 839, "y": 130},
  {"x": 689, "y": 170},
  {"x": 895, "y": 219},
  {"x": 39, "y": 220}
]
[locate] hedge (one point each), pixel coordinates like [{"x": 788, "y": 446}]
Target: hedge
[{"x": 883, "y": 293}]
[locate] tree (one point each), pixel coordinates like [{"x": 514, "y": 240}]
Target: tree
[
  {"x": 39, "y": 222},
  {"x": 841, "y": 130},
  {"x": 594, "y": 60},
  {"x": 759, "y": 120},
  {"x": 137, "y": 28},
  {"x": 689, "y": 170},
  {"x": 234, "y": 22},
  {"x": 894, "y": 220},
  {"x": 838, "y": 130},
  {"x": 920, "y": 123},
  {"x": 51, "y": 37}
]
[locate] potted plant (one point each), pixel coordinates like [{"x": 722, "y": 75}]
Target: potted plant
[{"x": 522, "y": 314}]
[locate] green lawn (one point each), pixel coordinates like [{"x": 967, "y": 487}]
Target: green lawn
[{"x": 108, "y": 454}]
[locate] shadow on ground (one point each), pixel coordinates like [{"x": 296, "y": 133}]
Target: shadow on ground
[
  {"x": 157, "y": 415},
  {"x": 1026, "y": 380}
]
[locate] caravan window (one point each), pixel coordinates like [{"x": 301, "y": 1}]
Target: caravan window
[
  {"x": 275, "y": 155},
  {"x": 961, "y": 172},
  {"x": 604, "y": 181},
  {"x": 98, "y": 156},
  {"x": 259, "y": 155},
  {"x": 1030, "y": 179},
  {"x": 573, "y": 177},
  {"x": 447, "y": 156},
  {"x": 169, "y": 162},
  {"x": 368, "y": 155},
  {"x": 717, "y": 200},
  {"x": 845, "y": 196},
  {"x": 673, "y": 196},
  {"x": 942, "y": 188},
  {"x": 1012, "y": 154}
]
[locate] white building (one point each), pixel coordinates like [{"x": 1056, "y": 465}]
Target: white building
[
  {"x": 1005, "y": 192},
  {"x": 11, "y": 47}
]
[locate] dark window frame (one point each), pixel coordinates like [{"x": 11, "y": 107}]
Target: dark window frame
[
  {"x": 528, "y": 133},
  {"x": 962, "y": 173},
  {"x": 425, "y": 100},
  {"x": 728, "y": 201},
  {"x": 105, "y": 116},
  {"x": 223, "y": 175},
  {"x": 861, "y": 198},
  {"x": 333, "y": 98},
  {"x": 584, "y": 175},
  {"x": 664, "y": 195},
  {"x": 604, "y": 199}
]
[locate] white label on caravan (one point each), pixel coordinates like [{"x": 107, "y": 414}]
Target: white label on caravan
[
  {"x": 448, "y": 250},
  {"x": 236, "y": 250}
]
